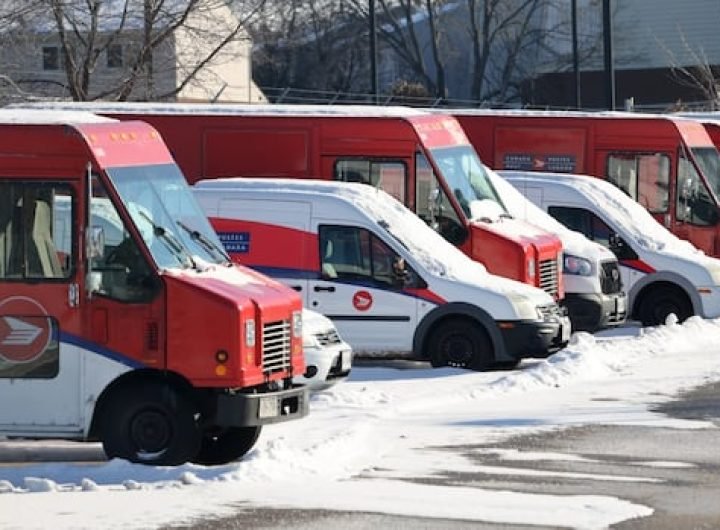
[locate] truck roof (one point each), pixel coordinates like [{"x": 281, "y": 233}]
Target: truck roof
[
  {"x": 229, "y": 109},
  {"x": 49, "y": 117},
  {"x": 575, "y": 114}
]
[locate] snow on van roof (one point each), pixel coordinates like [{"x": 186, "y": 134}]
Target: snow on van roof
[
  {"x": 429, "y": 248},
  {"x": 49, "y": 117},
  {"x": 621, "y": 210},
  {"x": 225, "y": 108}
]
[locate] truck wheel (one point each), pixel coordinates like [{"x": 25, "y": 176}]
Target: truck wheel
[
  {"x": 225, "y": 445},
  {"x": 461, "y": 344},
  {"x": 660, "y": 302},
  {"x": 151, "y": 424}
]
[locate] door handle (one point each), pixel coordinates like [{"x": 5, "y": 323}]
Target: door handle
[
  {"x": 297, "y": 287},
  {"x": 328, "y": 288}
]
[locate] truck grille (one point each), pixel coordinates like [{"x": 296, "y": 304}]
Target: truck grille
[
  {"x": 610, "y": 281},
  {"x": 549, "y": 277},
  {"x": 276, "y": 346},
  {"x": 328, "y": 337}
]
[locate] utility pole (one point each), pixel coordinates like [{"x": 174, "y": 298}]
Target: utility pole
[
  {"x": 576, "y": 60},
  {"x": 609, "y": 68},
  {"x": 373, "y": 54}
]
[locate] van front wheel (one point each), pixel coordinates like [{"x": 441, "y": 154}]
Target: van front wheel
[
  {"x": 461, "y": 344},
  {"x": 659, "y": 303}
]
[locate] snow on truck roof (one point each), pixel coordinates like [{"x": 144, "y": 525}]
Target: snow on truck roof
[
  {"x": 620, "y": 210},
  {"x": 526, "y": 113},
  {"x": 49, "y": 117},
  {"x": 225, "y": 108}
]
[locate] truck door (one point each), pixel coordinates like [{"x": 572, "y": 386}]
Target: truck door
[
  {"x": 696, "y": 215},
  {"x": 359, "y": 291},
  {"x": 40, "y": 319}
]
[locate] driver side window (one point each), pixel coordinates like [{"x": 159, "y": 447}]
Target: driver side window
[
  {"x": 433, "y": 206},
  {"x": 693, "y": 202},
  {"x": 121, "y": 271},
  {"x": 352, "y": 253}
]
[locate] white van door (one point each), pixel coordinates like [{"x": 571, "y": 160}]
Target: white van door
[{"x": 360, "y": 290}]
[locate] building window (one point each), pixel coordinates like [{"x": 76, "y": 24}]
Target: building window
[
  {"x": 114, "y": 56},
  {"x": 51, "y": 58}
]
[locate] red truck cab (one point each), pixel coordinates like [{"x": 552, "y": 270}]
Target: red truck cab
[
  {"x": 121, "y": 317},
  {"x": 667, "y": 163}
]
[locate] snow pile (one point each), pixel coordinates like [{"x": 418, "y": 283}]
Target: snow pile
[{"x": 364, "y": 438}]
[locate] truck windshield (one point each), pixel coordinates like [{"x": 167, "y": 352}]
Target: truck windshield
[
  {"x": 708, "y": 159},
  {"x": 467, "y": 179},
  {"x": 167, "y": 215}
]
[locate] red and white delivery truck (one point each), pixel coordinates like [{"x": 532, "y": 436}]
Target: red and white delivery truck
[
  {"x": 121, "y": 318},
  {"x": 666, "y": 163},
  {"x": 423, "y": 160}
]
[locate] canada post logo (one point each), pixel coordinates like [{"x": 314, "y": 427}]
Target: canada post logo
[{"x": 25, "y": 330}]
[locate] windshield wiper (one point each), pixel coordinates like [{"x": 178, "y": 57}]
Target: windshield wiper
[
  {"x": 206, "y": 243},
  {"x": 171, "y": 242}
]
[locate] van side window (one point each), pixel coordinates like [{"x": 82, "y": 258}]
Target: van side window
[
  {"x": 121, "y": 272},
  {"x": 592, "y": 227},
  {"x": 644, "y": 177},
  {"x": 36, "y": 231},
  {"x": 389, "y": 176},
  {"x": 352, "y": 253}
]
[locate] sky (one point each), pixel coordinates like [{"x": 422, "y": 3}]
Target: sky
[{"x": 364, "y": 437}]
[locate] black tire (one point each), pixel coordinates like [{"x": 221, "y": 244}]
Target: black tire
[
  {"x": 225, "y": 445},
  {"x": 460, "y": 344},
  {"x": 152, "y": 424},
  {"x": 660, "y": 302}
]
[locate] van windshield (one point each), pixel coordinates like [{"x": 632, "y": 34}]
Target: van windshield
[
  {"x": 467, "y": 179},
  {"x": 170, "y": 220},
  {"x": 708, "y": 159}
]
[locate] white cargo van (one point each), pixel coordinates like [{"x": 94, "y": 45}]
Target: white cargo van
[
  {"x": 328, "y": 358},
  {"x": 594, "y": 294},
  {"x": 662, "y": 274},
  {"x": 391, "y": 284}
]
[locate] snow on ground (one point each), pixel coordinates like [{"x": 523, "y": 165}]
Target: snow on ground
[{"x": 366, "y": 437}]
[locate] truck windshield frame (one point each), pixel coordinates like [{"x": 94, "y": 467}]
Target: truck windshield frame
[
  {"x": 167, "y": 215},
  {"x": 465, "y": 176}
]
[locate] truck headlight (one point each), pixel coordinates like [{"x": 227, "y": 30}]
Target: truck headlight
[
  {"x": 297, "y": 324},
  {"x": 250, "y": 332},
  {"x": 577, "y": 265},
  {"x": 531, "y": 268}
]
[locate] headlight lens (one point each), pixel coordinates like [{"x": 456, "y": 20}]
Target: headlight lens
[
  {"x": 531, "y": 268},
  {"x": 524, "y": 307},
  {"x": 297, "y": 323},
  {"x": 577, "y": 265},
  {"x": 250, "y": 332},
  {"x": 715, "y": 275},
  {"x": 310, "y": 341}
]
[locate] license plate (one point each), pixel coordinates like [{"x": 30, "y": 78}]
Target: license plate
[
  {"x": 566, "y": 329},
  {"x": 269, "y": 407},
  {"x": 346, "y": 361},
  {"x": 620, "y": 305}
]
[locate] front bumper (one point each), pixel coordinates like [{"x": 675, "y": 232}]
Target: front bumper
[
  {"x": 243, "y": 410},
  {"x": 535, "y": 338},
  {"x": 325, "y": 366},
  {"x": 593, "y": 311}
]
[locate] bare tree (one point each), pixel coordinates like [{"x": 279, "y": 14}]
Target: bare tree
[{"x": 149, "y": 40}]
